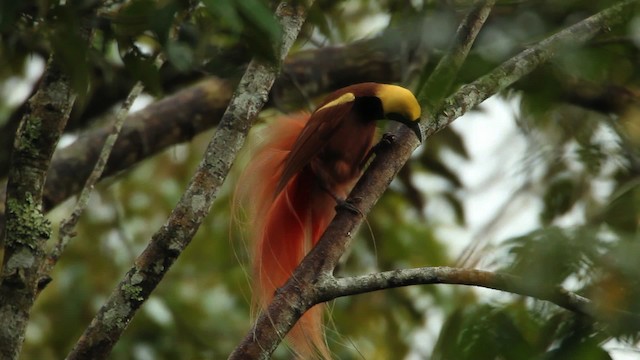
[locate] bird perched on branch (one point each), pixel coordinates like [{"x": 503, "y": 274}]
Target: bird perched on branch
[{"x": 304, "y": 166}]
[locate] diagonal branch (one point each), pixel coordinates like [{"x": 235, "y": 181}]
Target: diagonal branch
[
  {"x": 514, "y": 69},
  {"x": 300, "y": 293},
  {"x": 67, "y": 227},
  {"x": 169, "y": 242},
  {"x": 439, "y": 83},
  {"x": 172, "y": 120}
]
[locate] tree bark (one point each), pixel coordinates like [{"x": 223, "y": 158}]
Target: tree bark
[{"x": 27, "y": 229}]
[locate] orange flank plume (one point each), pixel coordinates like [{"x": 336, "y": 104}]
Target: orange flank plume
[{"x": 289, "y": 189}]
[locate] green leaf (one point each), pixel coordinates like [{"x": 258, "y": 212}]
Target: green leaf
[
  {"x": 560, "y": 197},
  {"x": 71, "y": 50},
  {"x": 133, "y": 18},
  {"x": 487, "y": 332},
  {"x": 546, "y": 257},
  {"x": 9, "y": 11},
  {"x": 252, "y": 22},
  {"x": 262, "y": 18},
  {"x": 623, "y": 211},
  {"x": 162, "y": 20},
  {"x": 225, "y": 11},
  {"x": 180, "y": 55},
  {"x": 144, "y": 69}
]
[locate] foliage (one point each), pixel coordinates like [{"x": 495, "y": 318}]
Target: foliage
[{"x": 577, "y": 118}]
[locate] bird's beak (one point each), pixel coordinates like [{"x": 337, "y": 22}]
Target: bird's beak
[{"x": 415, "y": 126}]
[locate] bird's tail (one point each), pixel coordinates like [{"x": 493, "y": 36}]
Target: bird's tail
[{"x": 284, "y": 226}]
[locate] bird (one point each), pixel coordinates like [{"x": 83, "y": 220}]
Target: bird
[{"x": 304, "y": 166}]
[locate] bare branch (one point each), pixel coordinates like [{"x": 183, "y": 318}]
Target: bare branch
[
  {"x": 169, "y": 242},
  {"x": 330, "y": 288},
  {"x": 333, "y": 288},
  {"x": 174, "y": 119}
]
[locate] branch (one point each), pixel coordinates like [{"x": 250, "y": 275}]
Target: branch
[
  {"x": 332, "y": 288},
  {"x": 169, "y": 242},
  {"x": 169, "y": 121},
  {"x": 28, "y": 230},
  {"x": 439, "y": 83},
  {"x": 172, "y": 120},
  {"x": 300, "y": 292},
  {"x": 514, "y": 69}
]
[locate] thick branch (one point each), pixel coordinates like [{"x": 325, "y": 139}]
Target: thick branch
[
  {"x": 27, "y": 229},
  {"x": 169, "y": 242},
  {"x": 299, "y": 293}
]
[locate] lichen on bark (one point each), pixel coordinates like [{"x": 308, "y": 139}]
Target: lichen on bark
[
  {"x": 31, "y": 225},
  {"x": 27, "y": 229}
]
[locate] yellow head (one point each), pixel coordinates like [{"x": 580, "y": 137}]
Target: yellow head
[
  {"x": 398, "y": 100},
  {"x": 398, "y": 104}
]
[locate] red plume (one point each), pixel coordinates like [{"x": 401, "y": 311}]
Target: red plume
[{"x": 284, "y": 226}]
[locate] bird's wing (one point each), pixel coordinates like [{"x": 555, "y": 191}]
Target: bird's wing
[{"x": 321, "y": 126}]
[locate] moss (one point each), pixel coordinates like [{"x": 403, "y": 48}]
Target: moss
[
  {"x": 30, "y": 133},
  {"x": 114, "y": 316},
  {"x": 133, "y": 292},
  {"x": 28, "y": 225}
]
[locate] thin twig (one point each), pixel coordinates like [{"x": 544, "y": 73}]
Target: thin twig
[
  {"x": 68, "y": 225},
  {"x": 512, "y": 70}
]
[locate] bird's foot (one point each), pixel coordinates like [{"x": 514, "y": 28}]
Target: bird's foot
[{"x": 349, "y": 205}]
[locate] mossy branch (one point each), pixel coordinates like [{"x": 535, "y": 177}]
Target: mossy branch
[{"x": 27, "y": 230}]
